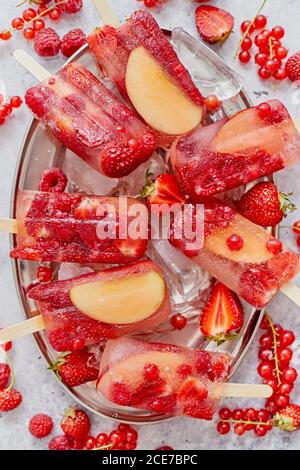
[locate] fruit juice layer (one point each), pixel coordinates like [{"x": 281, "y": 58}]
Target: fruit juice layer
[
  {"x": 89, "y": 120},
  {"x": 148, "y": 73},
  {"x": 162, "y": 378},
  {"x": 251, "y": 144},
  {"x": 95, "y": 307},
  {"x": 241, "y": 255},
  {"x": 65, "y": 227}
]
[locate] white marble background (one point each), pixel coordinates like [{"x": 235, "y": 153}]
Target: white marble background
[{"x": 40, "y": 391}]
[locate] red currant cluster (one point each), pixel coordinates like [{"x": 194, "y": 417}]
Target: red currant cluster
[
  {"x": 32, "y": 21},
  {"x": 122, "y": 438},
  {"x": 7, "y": 108},
  {"x": 274, "y": 368},
  {"x": 270, "y": 53}
]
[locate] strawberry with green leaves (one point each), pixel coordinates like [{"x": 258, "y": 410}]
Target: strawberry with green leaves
[
  {"x": 222, "y": 316},
  {"x": 162, "y": 190},
  {"x": 74, "y": 368}
]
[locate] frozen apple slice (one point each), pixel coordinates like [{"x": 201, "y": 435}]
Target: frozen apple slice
[
  {"x": 120, "y": 301},
  {"x": 161, "y": 103}
]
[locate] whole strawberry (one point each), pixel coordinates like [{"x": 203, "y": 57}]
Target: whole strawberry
[
  {"x": 9, "y": 399},
  {"x": 213, "y": 24},
  {"x": 4, "y": 375},
  {"x": 288, "y": 418},
  {"x": 74, "y": 368},
  {"x": 292, "y": 67},
  {"x": 40, "y": 425},
  {"x": 265, "y": 205},
  {"x": 75, "y": 424}
]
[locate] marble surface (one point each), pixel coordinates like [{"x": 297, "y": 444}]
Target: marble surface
[{"x": 40, "y": 391}]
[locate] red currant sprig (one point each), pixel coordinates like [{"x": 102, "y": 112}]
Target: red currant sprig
[
  {"x": 123, "y": 438},
  {"x": 6, "y": 109},
  {"x": 247, "y": 27},
  {"x": 244, "y": 420}
]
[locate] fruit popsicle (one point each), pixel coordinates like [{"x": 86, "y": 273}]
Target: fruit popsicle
[
  {"x": 148, "y": 73},
  {"x": 89, "y": 120},
  {"x": 95, "y": 307},
  {"x": 240, "y": 254},
  {"x": 65, "y": 227},
  {"x": 162, "y": 378},
  {"x": 253, "y": 143}
]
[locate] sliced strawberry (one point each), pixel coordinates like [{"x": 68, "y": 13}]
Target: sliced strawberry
[
  {"x": 213, "y": 24},
  {"x": 163, "y": 190},
  {"x": 222, "y": 316},
  {"x": 132, "y": 249}
]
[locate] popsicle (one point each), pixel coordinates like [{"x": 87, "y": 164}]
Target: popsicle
[
  {"x": 88, "y": 119},
  {"x": 253, "y": 143},
  {"x": 164, "y": 378},
  {"x": 240, "y": 254},
  {"x": 148, "y": 73},
  {"x": 95, "y": 307},
  {"x": 66, "y": 227}
]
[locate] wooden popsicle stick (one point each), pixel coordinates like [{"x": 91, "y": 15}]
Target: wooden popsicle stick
[
  {"x": 292, "y": 292},
  {"x": 36, "y": 69},
  {"x": 106, "y": 12},
  {"x": 246, "y": 390},
  {"x": 8, "y": 225},
  {"x": 24, "y": 328}
]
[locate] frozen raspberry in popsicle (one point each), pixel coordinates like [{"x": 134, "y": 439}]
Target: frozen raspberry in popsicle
[
  {"x": 148, "y": 73},
  {"x": 89, "y": 120},
  {"x": 66, "y": 227},
  {"x": 251, "y": 144},
  {"x": 241, "y": 255},
  {"x": 95, "y": 307},
  {"x": 162, "y": 378}
]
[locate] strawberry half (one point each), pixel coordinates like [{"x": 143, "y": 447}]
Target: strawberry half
[
  {"x": 163, "y": 190},
  {"x": 264, "y": 205},
  {"x": 222, "y": 316},
  {"x": 213, "y": 24}
]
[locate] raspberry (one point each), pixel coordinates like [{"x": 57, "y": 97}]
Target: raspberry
[
  {"x": 59, "y": 443},
  {"x": 72, "y": 41},
  {"x": 72, "y": 6},
  {"x": 4, "y": 375},
  {"x": 53, "y": 180},
  {"x": 40, "y": 426},
  {"x": 47, "y": 42},
  {"x": 292, "y": 67}
]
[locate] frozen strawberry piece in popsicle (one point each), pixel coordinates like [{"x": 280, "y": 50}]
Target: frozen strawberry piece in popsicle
[
  {"x": 240, "y": 254},
  {"x": 148, "y": 73},
  {"x": 162, "y": 378},
  {"x": 234, "y": 152},
  {"x": 64, "y": 227},
  {"x": 89, "y": 120},
  {"x": 95, "y": 307}
]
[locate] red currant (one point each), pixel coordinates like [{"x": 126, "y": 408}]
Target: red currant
[
  {"x": 238, "y": 414},
  {"x": 265, "y": 354},
  {"x": 281, "y": 400},
  {"x": 286, "y": 337},
  {"x": 266, "y": 341},
  {"x": 244, "y": 56},
  {"x": 7, "y": 346},
  {"x": 263, "y": 415},
  {"x": 225, "y": 413},
  {"x": 260, "y": 40},
  {"x": 116, "y": 438},
  {"x": 261, "y": 58},
  {"x": 250, "y": 414},
  {"x": 5, "y": 110},
  {"x": 275, "y": 43},
  {"x": 285, "y": 388},
  {"x": 278, "y": 32},
  {"x": 246, "y": 44},
  {"x": 90, "y": 443},
  {"x": 274, "y": 246},
  {"x": 102, "y": 439},
  {"x": 296, "y": 226},
  {"x": 29, "y": 33},
  {"x": 265, "y": 324},
  {"x": 150, "y": 3},
  {"x": 247, "y": 25},
  {"x": 131, "y": 435},
  {"x": 15, "y": 101},
  {"x": 132, "y": 446},
  {"x": 235, "y": 242},
  {"x": 151, "y": 371},
  {"x": 265, "y": 370},
  {"x": 270, "y": 65},
  {"x": 41, "y": 10},
  {"x": 272, "y": 383},
  {"x": 38, "y": 24},
  {"x": 239, "y": 429},
  {"x": 17, "y": 23},
  {"x": 271, "y": 406},
  {"x": 263, "y": 73},
  {"x": 44, "y": 274},
  {"x": 55, "y": 14},
  {"x": 178, "y": 321},
  {"x": 289, "y": 375},
  {"x": 260, "y": 430},
  {"x": 260, "y": 21},
  {"x": 123, "y": 427},
  {"x": 212, "y": 103},
  {"x": 5, "y": 35},
  {"x": 29, "y": 14},
  {"x": 281, "y": 52},
  {"x": 223, "y": 428},
  {"x": 285, "y": 354},
  {"x": 280, "y": 74}
]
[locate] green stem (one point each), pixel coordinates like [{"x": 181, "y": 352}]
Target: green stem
[
  {"x": 274, "y": 347},
  {"x": 241, "y": 421},
  {"x": 249, "y": 27}
]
